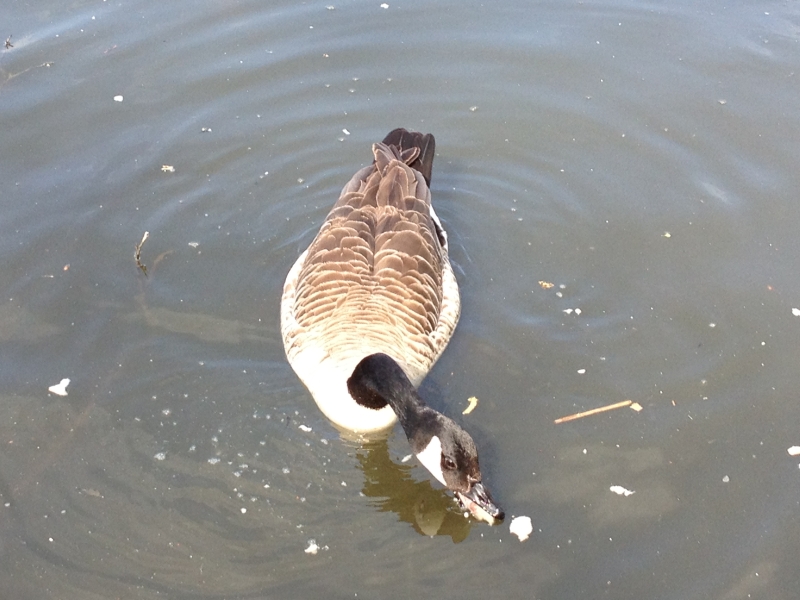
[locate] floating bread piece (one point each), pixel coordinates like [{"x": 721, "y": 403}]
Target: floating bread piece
[
  {"x": 473, "y": 402},
  {"x": 521, "y": 527},
  {"x": 476, "y": 510},
  {"x": 60, "y": 389}
]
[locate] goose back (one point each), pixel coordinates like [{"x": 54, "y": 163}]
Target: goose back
[{"x": 377, "y": 278}]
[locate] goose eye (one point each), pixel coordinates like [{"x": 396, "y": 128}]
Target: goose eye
[{"x": 449, "y": 463}]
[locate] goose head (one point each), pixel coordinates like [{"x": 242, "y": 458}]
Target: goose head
[{"x": 439, "y": 443}]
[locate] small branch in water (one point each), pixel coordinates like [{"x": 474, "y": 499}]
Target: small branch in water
[
  {"x": 10, "y": 77},
  {"x": 137, "y": 255},
  {"x": 8, "y": 42},
  {"x": 594, "y": 411}
]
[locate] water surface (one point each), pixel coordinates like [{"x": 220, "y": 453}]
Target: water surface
[{"x": 640, "y": 157}]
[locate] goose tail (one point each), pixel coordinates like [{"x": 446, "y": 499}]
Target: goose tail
[{"x": 402, "y": 139}]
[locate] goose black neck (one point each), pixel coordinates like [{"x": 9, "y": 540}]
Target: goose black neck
[{"x": 378, "y": 380}]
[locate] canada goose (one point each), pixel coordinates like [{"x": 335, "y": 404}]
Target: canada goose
[{"x": 369, "y": 307}]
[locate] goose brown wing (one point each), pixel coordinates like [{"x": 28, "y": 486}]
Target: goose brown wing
[{"x": 373, "y": 278}]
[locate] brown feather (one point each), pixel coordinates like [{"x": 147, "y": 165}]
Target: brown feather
[{"x": 377, "y": 277}]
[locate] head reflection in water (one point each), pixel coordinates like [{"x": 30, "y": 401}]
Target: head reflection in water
[{"x": 391, "y": 488}]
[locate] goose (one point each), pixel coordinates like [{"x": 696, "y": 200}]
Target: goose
[{"x": 371, "y": 305}]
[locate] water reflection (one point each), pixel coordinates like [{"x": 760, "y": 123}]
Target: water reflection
[
  {"x": 98, "y": 504},
  {"x": 581, "y": 471},
  {"x": 18, "y": 324},
  {"x": 596, "y": 129},
  {"x": 430, "y": 511}
]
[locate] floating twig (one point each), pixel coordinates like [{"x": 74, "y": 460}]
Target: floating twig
[
  {"x": 12, "y": 75},
  {"x": 137, "y": 255},
  {"x": 594, "y": 411},
  {"x": 8, "y": 42}
]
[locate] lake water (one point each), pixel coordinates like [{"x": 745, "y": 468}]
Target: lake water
[{"x": 641, "y": 157}]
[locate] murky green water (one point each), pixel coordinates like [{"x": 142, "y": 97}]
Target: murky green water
[{"x": 640, "y": 157}]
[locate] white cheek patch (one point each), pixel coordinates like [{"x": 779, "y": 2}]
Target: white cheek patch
[{"x": 431, "y": 458}]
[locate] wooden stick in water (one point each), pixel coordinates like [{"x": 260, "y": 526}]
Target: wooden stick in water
[{"x": 594, "y": 411}]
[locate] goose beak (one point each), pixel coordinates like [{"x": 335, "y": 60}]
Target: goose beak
[{"x": 479, "y": 503}]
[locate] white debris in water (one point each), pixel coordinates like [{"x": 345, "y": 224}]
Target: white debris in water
[
  {"x": 213, "y": 460},
  {"x": 794, "y": 450},
  {"x": 60, "y": 389},
  {"x": 618, "y": 489},
  {"x": 581, "y": 371},
  {"x": 118, "y": 98},
  {"x": 312, "y": 547},
  {"x": 305, "y": 428},
  {"x": 406, "y": 458},
  {"x": 796, "y": 312},
  {"x": 160, "y": 455},
  {"x": 384, "y": 5},
  {"x": 521, "y": 527},
  {"x": 194, "y": 244},
  {"x": 344, "y": 131}
]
